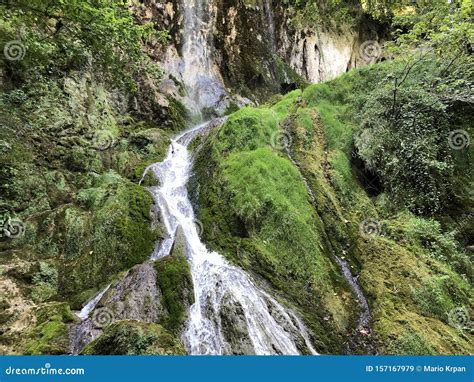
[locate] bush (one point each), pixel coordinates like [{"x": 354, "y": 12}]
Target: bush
[
  {"x": 403, "y": 144},
  {"x": 45, "y": 283},
  {"x": 55, "y": 37},
  {"x": 404, "y": 132}
]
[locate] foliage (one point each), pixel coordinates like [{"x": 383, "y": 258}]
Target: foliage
[
  {"x": 427, "y": 233},
  {"x": 337, "y": 12},
  {"x": 134, "y": 338},
  {"x": 60, "y": 36},
  {"x": 45, "y": 283},
  {"x": 444, "y": 26},
  {"x": 404, "y": 132},
  {"x": 307, "y": 12}
]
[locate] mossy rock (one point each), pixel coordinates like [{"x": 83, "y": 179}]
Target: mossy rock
[
  {"x": 116, "y": 236},
  {"x": 176, "y": 285},
  {"x": 135, "y": 338},
  {"x": 258, "y": 214},
  {"x": 50, "y": 335}
]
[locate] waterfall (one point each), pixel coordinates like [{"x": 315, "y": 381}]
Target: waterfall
[
  {"x": 202, "y": 80},
  {"x": 231, "y": 314},
  {"x": 89, "y": 307},
  {"x": 227, "y": 300},
  {"x": 268, "y": 9}
]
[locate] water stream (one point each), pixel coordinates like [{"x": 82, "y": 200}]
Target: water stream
[
  {"x": 365, "y": 317},
  {"x": 227, "y": 300},
  {"x": 200, "y": 77}
]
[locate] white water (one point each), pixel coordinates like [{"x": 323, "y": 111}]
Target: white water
[
  {"x": 218, "y": 285},
  {"x": 89, "y": 307},
  {"x": 202, "y": 81},
  {"x": 226, "y": 298}
]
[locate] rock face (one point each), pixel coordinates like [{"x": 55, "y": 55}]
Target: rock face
[
  {"x": 220, "y": 48},
  {"x": 152, "y": 292},
  {"x": 319, "y": 56},
  {"x": 136, "y": 297}
]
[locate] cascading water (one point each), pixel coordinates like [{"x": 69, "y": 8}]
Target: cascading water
[
  {"x": 231, "y": 314},
  {"x": 227, "y": 300},
  {"x": 89, "y": 307},
  {"x": 205, "y": 89}
]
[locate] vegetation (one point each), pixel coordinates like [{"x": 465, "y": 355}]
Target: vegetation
[
  {"x": 50, "y": 335},
  {"x": 70, "y": 35},
  {"x": 269, "y": 216},
  {"x": 256, "y": 211},
  {"x": 175, "y": 283},
  {"x": 134, "y": 338},
  {"x": 373, "y": 167},
  {"x": 435, "y": 254},
  {"x": 73, "y": 149}
]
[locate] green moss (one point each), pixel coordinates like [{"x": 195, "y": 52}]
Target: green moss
[
  {"x": 135, "y": 338},
  {"x": 422, "y": 233},
  {"x": 410, "y": 343},
  {"x": 433, "y": 298},
  {"x": 177, "y": 114},
  {"x": 45, "y": 283},
  {"x": 175, "y": 282},
  {"x": 50, "y": 335},
  {"x": 271, "y": 201},
  {"x": 246, "y": 129},
  {"x": 115, "y": 236},
  {"x": 260, "y": 216}
]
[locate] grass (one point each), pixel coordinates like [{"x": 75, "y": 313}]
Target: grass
[
  {"x": 260, "y": 216},
  {"x": 257, "y": 212}
]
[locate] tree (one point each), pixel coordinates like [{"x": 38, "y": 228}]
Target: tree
[{"x": 54, "y": 37}]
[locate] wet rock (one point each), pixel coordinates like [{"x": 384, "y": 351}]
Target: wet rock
[
  {"x": 136, "y": 297},
  {"x": 179, "y": 245},
  {"x": 234, "y": 328},
  {"x": 173, "y": 278}
]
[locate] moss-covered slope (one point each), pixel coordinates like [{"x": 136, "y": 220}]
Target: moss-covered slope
[
  {"x": 257, "y": 212},
  {"x": 71, "y": 158}
]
